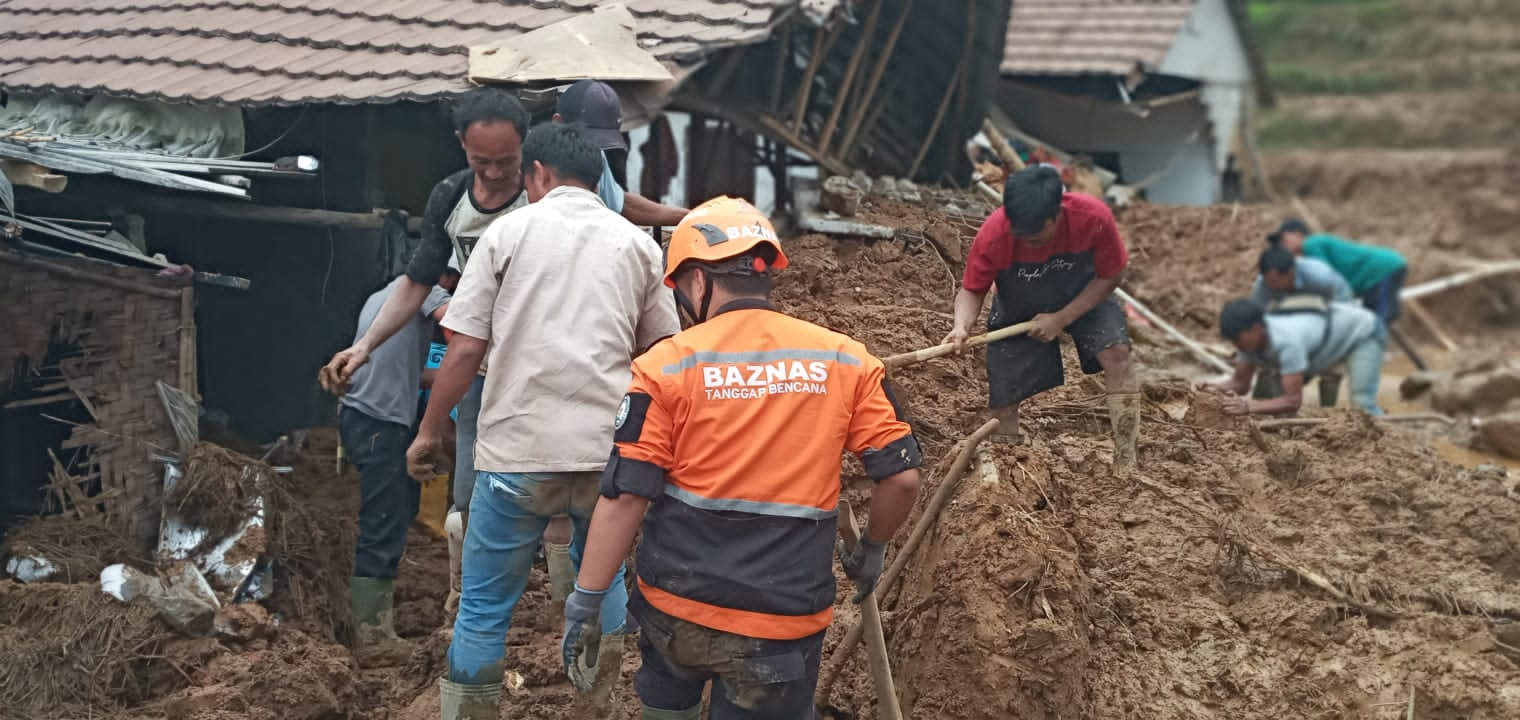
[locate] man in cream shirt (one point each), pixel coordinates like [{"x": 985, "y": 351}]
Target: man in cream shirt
[{"x": 557, "y": 299}]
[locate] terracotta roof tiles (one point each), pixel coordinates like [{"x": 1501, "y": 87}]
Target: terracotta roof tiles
[
  {"x": 283, "y": 52},
  {"x": 1091, "y": 37}
]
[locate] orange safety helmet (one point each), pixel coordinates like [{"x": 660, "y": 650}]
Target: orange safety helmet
[{"x": 720, "y": 229}]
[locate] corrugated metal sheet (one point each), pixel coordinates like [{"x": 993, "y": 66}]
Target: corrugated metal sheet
[
  {"x": 1091, "y": 37},
  {"x": 284, "y": 52}
]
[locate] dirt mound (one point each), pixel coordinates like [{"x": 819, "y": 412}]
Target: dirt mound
[
  {"x": 1319, "y": 572},
  {"x": 71, "y": 646},
  {"x": 296, "y": 676},
  {"x": 79, "y": 547}
]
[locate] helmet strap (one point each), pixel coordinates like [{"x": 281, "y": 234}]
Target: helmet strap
[
  {"x": 707, "y": 293},
  {"x": 697, "y": 316}
]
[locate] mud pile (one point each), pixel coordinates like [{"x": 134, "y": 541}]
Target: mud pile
[
  {"x": 1323, "y": 573},
  {"x": 1186, "y": 589}
]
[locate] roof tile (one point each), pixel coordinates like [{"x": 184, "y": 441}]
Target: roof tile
[
  {"x": 1081, "y": 37},
  {"x": 298, "y": 51}
]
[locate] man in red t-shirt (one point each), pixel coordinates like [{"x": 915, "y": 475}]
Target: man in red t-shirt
[{"x": 1056, "y": 258}]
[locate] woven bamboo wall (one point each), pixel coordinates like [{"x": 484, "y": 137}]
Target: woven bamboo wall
[{"x": 131, "y": 333}]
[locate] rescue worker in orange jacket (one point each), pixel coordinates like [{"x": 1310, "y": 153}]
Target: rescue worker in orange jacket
[{"x": 731, "y": 436}]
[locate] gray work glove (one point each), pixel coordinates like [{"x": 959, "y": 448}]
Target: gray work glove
[
  {"x": 863, "y": 565},
  {"x": 583, "y": 636}
]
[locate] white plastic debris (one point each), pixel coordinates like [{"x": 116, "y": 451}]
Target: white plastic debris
[{"x": 30, "y": 568}]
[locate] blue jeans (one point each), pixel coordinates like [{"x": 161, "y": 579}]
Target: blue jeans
[
  {"x": 464, "y": 444},
  {"x": 1383, "y": 298},
  {"x": 1365, "y": 366},
  {"x": 508, "y": 514}
]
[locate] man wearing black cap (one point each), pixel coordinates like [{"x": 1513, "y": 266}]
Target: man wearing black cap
[
  {"x": 1056, "y": 258},
  {"x": 595, "y": 106},
  {"x": 1301, "y": 344}
]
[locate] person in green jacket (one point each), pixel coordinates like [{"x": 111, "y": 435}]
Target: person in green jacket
[{"x": 1376, "y": 274}]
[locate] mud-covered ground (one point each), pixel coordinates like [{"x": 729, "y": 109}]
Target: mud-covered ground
[{"x": 1327, "y": 572}]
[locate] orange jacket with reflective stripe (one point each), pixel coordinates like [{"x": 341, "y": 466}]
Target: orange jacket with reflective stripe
[{"x": 735, "y": 428}]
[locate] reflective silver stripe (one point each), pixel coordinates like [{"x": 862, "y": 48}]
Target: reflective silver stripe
[
  {"x": 759, "y": 356},
  {"x": 755, "y": 507}
]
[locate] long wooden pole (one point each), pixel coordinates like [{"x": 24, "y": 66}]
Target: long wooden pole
[
  {"x": 948, "y": 483},
  {"x": 1197, "y": 350},
  {"x": 876, "y": 642},
  {"x": 168, "y": 293},
  {"x": 1305, "y": 422},
  {"x": 1462, "y": 278},
  {"x": 858, "y": 115},
  {"x": 822, "y": 44},
  {"x": 841, "y": 98},
  {"x": 939, "y": 117}
]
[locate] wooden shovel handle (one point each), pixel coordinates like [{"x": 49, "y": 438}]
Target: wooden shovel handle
[
  {"x": 887, "y": 707},
  {"x": 929, "y": 353}
]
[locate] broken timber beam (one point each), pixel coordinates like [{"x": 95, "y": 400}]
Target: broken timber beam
[
  {"x": 268, "y": 213},
  {"x": 1192, "y": 345},
  {"x": 35, "y": 176},
  {"x": 1000, "y": 146}
]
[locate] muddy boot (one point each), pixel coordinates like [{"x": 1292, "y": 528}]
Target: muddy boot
[
  {"x": 597, "y": 704},
  {"x": 454, "y": 527},
  {"x": 375, "y": 640},
  {"x": 649, "y": 713},
  {"x": 1124, "y": 414},
  {"x": 469, "y": 702},
  {"x": 561, "y": 578}
]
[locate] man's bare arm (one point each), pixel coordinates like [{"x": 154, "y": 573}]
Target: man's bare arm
[
  {"x": 1240, "y": 382},
  {"x": 968, "y": 306},
  {"x": 404, "y": 303},
  {"x": 1290, "y": 401},
  {"x": 1096, "y": 292},
  {"x": 891, "y": 501},
  {"x": 614, "y": 524},
  {"x": 642, "y": 211},
  {"x": 450, "y": 383}
]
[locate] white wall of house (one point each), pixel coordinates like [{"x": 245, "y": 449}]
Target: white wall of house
[
  {"x": 1209, "y": 49},
  {"x": 1171, "y": 147}
]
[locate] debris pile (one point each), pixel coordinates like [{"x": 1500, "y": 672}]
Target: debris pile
[{"x": 1325, "y": 571}]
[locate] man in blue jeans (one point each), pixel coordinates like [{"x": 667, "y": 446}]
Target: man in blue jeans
[
  {"x": 556, "y": 299},
  {"x": 1301, "y": 345}
]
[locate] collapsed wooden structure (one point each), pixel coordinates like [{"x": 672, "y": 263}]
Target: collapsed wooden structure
[{"x": 88, "y": 343}]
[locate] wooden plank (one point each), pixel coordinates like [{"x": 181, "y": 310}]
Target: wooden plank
[
  {"x": 1459, "y": 279},
  {"x": 822, "y": 44},
  {"x": 34, "y": 176},
  {"x": 187, "y": 370},
  {"x": 1011, "y": 159},
  {"x": 78, "y": 274},
  {"x": 869, "y": 95},
  {"x": 262, "y": 213},
  {"x": 939, "y": 117},
  {"x": 1192, "y": 345},
  {"x": 1418, "y": 312}
]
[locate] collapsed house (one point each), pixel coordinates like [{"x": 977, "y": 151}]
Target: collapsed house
[{"x": 1162, "y": 92}]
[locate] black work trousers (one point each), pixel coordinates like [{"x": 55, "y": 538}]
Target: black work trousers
[
  {"x": 753, "y": 679},
  {"x": 388, "y": 496}
]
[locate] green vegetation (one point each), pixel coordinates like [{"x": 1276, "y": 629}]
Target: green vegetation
[{"x": 1331, "y": 53}]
